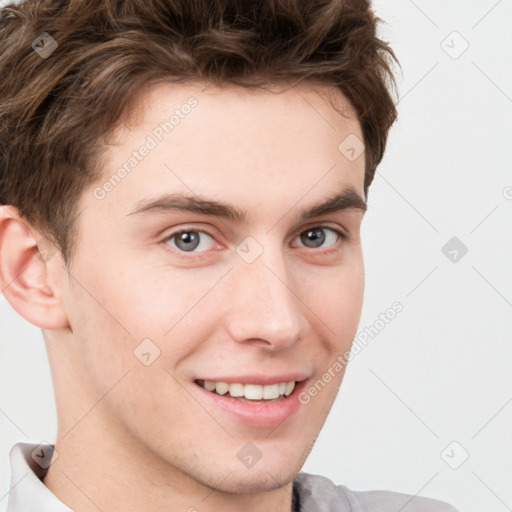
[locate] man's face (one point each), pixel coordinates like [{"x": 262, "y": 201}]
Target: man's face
[{"x": 267, "y": 299}]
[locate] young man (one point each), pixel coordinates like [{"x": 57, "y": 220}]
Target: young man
[{"x": 187, "y": 378}]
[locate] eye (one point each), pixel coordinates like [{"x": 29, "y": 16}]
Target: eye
[
  {"x": 188, "y": 240},
  {"x": 198, "y": 241},
  {"x": 316, "y": 236}
]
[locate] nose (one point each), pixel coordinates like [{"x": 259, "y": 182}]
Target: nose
[{"x": 264, "y": 308}]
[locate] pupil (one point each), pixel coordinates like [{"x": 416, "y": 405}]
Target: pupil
[
  {"x": 190, "y": 240},
  {"x": 316, "y": 236}
]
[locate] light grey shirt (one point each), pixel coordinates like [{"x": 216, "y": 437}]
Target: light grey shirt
[{"x": 311, "y": 493}]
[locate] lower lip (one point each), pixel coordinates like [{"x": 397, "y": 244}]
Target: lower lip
[{"x": 259, "y": 413}]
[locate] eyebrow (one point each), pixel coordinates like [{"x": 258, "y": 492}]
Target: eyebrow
[{"x": 345, "y": 199}]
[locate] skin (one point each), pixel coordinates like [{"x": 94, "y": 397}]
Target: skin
[{"x": 133, "y": 437}]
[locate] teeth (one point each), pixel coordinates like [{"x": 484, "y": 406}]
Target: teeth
[
  {"x": 253, "y": 391},
  {"x": 270, "y": 392},
  {"x": 236, "y": 390},
  {"x": 250, "y": 391},
  {"x": 221, "y": 387},
  {"x": 289, "y": 388},
  {"x": 209, "y": 385}
]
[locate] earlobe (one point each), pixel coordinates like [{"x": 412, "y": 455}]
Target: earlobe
[{"x": 26, "y": 272}]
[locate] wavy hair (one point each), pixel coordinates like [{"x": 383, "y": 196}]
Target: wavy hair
[{"x": 56, "y": 112}]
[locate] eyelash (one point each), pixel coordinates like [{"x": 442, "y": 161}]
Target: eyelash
[{"x": 341, "y": 236}]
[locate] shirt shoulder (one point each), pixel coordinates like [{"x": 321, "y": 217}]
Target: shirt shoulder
[{"x": 315, "y": 493}]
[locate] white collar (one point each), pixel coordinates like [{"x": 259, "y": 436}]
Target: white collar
[{"x": 27, "y": 491}]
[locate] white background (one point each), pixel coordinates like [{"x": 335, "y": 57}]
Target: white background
[{"x": 440, "y": 372}]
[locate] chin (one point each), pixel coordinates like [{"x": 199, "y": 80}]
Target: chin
[
  {"x": 250, "y": 482},
  {"x": 271, "y": 472}
]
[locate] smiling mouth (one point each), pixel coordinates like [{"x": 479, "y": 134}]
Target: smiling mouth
[{"x": 249, "y": 392}]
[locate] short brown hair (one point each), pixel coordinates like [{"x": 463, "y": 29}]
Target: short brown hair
[{"x": 56, "y": 112}]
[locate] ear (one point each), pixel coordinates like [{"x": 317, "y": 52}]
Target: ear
[{"x": 29, "y": 267}]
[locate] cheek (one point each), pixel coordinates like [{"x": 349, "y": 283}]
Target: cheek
[
  {"x": 336, "y": 297},
  {"x": 116, "y": 311},
  {"x": 119, "y": 325}
]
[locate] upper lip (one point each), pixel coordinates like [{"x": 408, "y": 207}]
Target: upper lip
[{"x": 263, "y": 380}]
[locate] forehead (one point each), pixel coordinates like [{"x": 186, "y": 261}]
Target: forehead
[
  {"x": 305, "y": 99},
  {"x": 231, "y": 143}
]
